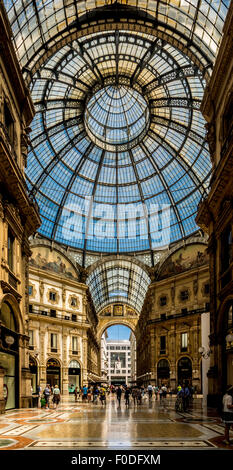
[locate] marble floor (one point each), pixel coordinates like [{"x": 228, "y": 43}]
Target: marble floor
[{"x": 84, "y": 426}]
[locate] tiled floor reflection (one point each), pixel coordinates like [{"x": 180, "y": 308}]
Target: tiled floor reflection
[{"x": 82, "y": 425}]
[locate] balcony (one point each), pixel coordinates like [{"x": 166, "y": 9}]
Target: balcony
[
  {"x": 57, "y": 316},
  {"x": 183, "y": 313}
]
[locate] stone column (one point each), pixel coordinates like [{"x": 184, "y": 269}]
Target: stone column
[
  {"x": 65, "y": 381},
  {"x": 42, "y": 376},
  {"x": 26, "y": 376},
  {"x": 153, "y": 357},
  {"x": 195, "y": 366},
  {"x": 172, "y": 356},
  {"x": 84, "y": 371},
  {"x": 42, "y": 364}
]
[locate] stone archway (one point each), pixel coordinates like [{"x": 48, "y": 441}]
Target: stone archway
[
  {"x": 105, "y": 323},
  {"x": 122, "y": 357}
]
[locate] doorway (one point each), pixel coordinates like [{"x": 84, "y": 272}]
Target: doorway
[
  {"x": 53, "y": 373},
  {"x": 74, "y": 376}
]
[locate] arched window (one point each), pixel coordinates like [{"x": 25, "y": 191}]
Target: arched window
[
  {"x": 163, "y": 371},
  {"x": 7, "y": 317},
  {"x": 185, "y": 370},
  {"x": 74, "y": 365}
]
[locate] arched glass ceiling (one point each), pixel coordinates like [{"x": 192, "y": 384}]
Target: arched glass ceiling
[
  {"x": 37, "y": 24},
  {"x": 110, "y": 198},
  {"x": 118, "y": 281},
  {"x": 95, "y": 190}
]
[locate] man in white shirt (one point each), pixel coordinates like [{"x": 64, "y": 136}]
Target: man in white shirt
[
  {"x": 227, "y": 413},
  {"x": 150, "y": 390}
]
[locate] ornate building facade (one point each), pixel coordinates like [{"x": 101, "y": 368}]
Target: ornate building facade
[
  {"x": 62, "y": 321},
  {"x": 215, "y": 214},
  {"x": 174, "y": 319},
  {"x": 19, "y": 218}
]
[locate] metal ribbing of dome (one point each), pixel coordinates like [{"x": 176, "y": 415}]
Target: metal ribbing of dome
[
  {"x": 116, "y": 115},
  {"x": 128, "y": 183}
]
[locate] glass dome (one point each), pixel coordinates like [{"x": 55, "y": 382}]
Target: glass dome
[
  {"x": 116, "y": 115},
  {"x": 118, "y": 160}
]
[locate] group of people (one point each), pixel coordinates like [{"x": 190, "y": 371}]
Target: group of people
[
  {"x": 184, "y": 397},
  {"x": 49, "y": 394},
  {"x": 91, "y": 394},
  {"x": 139, "y": 394}
]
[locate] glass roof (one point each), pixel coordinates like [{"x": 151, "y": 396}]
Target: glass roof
[
  {"x": 118, "y": 158},
  {"x": 116, "y": 115},
  {"x": 118, "y": 281}
]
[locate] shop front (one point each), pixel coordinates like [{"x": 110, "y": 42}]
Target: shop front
[
  {"x": 34, "y": 371},
  {"x": 53, "y": 373},
  {"x": 74, "y": 376},
  {"x": 185, "y": 371},
  {"x": 163, "y": 372},
  {"x": 9, "y": 359}
]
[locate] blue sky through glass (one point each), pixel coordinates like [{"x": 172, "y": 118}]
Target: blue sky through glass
[{"x": 118, "y": 332}]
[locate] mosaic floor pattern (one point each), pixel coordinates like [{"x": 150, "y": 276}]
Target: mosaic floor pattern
[{"x": 78, "y": 425}]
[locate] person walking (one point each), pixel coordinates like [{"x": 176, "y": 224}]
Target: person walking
[
  {"x": 95, "y": 394},
  {"x": 139, "y": 396},
  {"x": 103, "y": 396},
  {"x": 47, "y": 393},
  {"x": 76, "y": 393},
  {"x": 56, "y": 396},
  {"x": 227, "y": 416},
  {"x": 118, "y": 393},
  {"x": 89, "y": 395},
  {"x": 150, "y": 390},
  {"x": 127, "y": 394},
  {"x": 134, "y": 395},
  {"x": 186, "y": 396},
  {"x": 84, "y": 393}
]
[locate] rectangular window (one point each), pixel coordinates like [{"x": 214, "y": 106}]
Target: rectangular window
[
  {"x": 184, "y": 342},
  {"x": 163, "y": 301},
  {"x": 52, "y": 296},
  {"x": 53, "y": 342},
  {"x": 184, "y": 295},
  {"x": 74, "y": 344},
  {"x": 162, "y": 344},
  {"x": 11, "y": 240},
  {"x": 30, "y": 289},
  {"x": 31, "y": 338}
]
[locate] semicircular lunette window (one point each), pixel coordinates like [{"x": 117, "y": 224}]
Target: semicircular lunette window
[{"x": 116, "y": 116}]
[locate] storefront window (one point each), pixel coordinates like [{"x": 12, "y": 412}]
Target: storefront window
[
  {"x": 7, "y": 361},
  {"x": 74, "y": 375}
]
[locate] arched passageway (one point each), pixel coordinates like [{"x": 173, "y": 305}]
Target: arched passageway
[{"x": 118, "y": 355}]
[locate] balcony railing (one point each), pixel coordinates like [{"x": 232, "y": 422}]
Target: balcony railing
[
  {"x": 58, "y": 316},
  {"x": 180, "y": 315}
]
